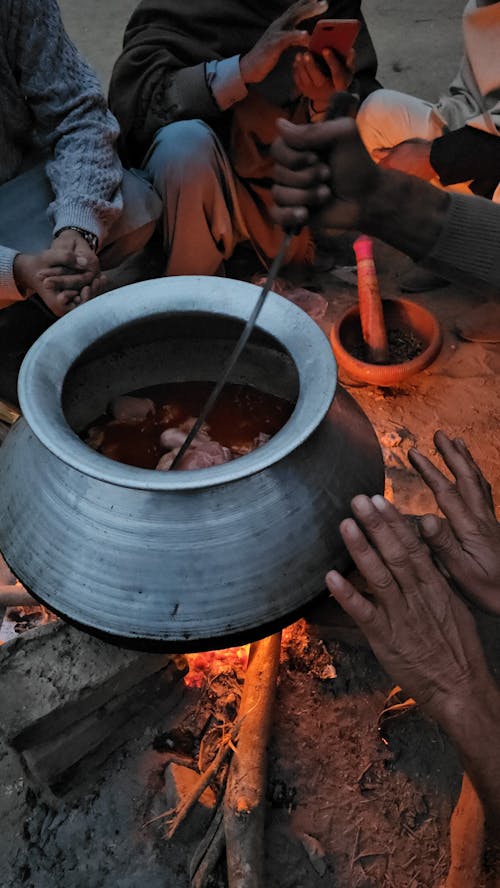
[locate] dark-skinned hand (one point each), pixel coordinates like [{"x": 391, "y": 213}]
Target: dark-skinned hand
[
  {"x": 323, "y": 174},
  {"x": 64, "y": 276},
  {"x": 281, "y": 34},
  {"x": 312, "y": 81},
  {"x": 467, "y": 540},
  {"x": 419, "y": 629}
]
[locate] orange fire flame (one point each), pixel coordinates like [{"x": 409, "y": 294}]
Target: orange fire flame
[{"x": 213, "y": 663}]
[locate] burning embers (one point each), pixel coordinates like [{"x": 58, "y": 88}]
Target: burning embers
[
  {"x": 213, "y": 663},
  {"x": 147, "y": 428}
]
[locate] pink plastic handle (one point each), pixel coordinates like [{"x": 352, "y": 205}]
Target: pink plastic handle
[{"x": 363, "y": 247}]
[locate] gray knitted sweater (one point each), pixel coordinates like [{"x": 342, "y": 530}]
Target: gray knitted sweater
[{"x": 51, "y": 100}]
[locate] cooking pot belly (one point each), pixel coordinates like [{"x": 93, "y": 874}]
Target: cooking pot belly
[
  {"x": 180, "y": 559},
  {"x": 185, "y": 568}
]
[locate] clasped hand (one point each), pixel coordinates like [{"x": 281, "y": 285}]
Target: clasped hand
[{"x": 65, "y": 275}]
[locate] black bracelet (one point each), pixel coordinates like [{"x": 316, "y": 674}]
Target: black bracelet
[{"x": 92, "y": 239}]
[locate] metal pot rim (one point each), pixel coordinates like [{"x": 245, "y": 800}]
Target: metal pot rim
[{"x": 45, "y": 367}]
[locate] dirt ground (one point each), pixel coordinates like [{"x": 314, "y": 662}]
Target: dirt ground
[{"x": 345, "y": 809}]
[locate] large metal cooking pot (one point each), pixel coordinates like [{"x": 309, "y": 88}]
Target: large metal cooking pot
[{"x": 182, "y": 559}]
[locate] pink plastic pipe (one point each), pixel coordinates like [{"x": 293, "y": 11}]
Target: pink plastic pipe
[{"x": 370, "y": 304}]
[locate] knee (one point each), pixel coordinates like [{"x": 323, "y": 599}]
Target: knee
[
  {"x": 376, "y": 106},
  {"x": 180, "y": 147},
  {"x": 379, "y": 119}
]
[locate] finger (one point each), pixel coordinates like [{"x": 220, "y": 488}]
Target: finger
[
  {"x": 85, "y": 295},
  {"x": 97, "y": 285},
  {"x": 316, "y": 77},
  {"x": 301, "y": 11},
  {"x": 300, "y": 78},
  {"x": 53, "y": 271},
  {"x": 336, "y": 67},
  {"x": 380, "y": 581},
  {"x": 306, "y": 82},
  {"x": 306, "y": 178},
  {"x": 485, "y": 484},
  {"x": 400, "y": 524},
  {"x": 463, "y": 468},
  {"x": 438, "y": 535},
  {"x": 291, "y": 157},
  {"x": 350, "y": 61},
  {"x": 67, "y": 282},
  {"x": 316, "y": 138},
  {"x": 67, "y": 299},
  {"x": 363, "y": 611},
  {"x": 395, "y": 555},
  {"x": 289, "y": 217},
  {"x": 418, "y": 553},
  {"x": 447, "y": 495},
  {"x": 287, "y": 196},
  {"x": 60, "y": 256},
  {"x": 286, "y": 39}
]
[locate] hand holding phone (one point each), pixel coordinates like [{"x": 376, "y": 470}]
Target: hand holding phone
[
  {"x": 338, "y": 35},
  {"x": 319, "y": 77}
]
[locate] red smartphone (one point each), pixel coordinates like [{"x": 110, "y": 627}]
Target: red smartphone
[{"x": 336, "y": 34}]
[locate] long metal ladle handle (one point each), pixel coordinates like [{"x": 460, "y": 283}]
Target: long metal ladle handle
[
  {"x": 240, "y": 345},
  {"x": 343, "y": 104}
]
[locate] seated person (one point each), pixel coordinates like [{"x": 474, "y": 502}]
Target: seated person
[
  {"x": 454, "y": 140},
  {"x": 324, "y": 177},
  {"x": 197, "y": 91},
  {"x": 421, "y": 631},
  {"x": 58, "y": 152},
  {"x": 453, "y": 143}
]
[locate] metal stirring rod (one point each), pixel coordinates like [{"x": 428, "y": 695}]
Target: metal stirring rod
[
  {"x": 343, "y": 104},
  {"x": 240, "y": 345}
]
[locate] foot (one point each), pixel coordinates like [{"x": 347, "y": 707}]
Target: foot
[
  {"x": 420, "y": 280},
  {"x": 481, "y": 323}
]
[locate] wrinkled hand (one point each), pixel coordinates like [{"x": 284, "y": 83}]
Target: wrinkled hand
[
  {"x": 412, "y": 156},
  {"x": 85, "y": 258},
  {"x": 280, "y": 35},
  {"x": 314, "y": 84},
  {"x": 330, "y": 192},
  {"x": 467, "y": 540},
  {"x": 64, "y": 276},
  {"x": 419, "y": 629}
]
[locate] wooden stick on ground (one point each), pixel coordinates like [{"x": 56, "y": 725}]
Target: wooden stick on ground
[
  {"x": 201, "y": 784},
  {"x": 244, "y": 804},
  {"x": 208, "y": 852},
  {"x": 466, "y": 839}
]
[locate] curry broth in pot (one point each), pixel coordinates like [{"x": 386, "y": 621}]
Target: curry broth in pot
[{"x": 242, "y": 419}]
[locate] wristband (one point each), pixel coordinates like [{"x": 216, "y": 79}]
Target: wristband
[{"x": 92, "y": 239}]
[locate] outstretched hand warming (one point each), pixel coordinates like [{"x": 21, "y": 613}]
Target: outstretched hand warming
[
  {"x": 421, "y": 632},
  {"x": 467, "y": 539}
]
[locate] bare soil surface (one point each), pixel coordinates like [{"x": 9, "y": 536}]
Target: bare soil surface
[{"x": 346, "y": 808}]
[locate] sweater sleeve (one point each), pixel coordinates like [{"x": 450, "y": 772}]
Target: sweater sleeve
[
  {"x": 468, "y": 247},
  {"x": 8, "y": 288},
  {"x": 71, "y": 120},
  {"x": 468, "y": 154}
]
